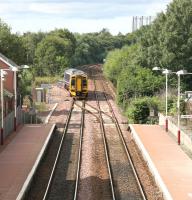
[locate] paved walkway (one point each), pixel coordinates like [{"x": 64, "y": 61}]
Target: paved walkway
[
  {"x": 19, "y": 159},
  {"x": 171, "y": 167}
]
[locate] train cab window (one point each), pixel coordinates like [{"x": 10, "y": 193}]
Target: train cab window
[
  {"x": 84, "y": 82},
  {"x": 73, "y": 82}
]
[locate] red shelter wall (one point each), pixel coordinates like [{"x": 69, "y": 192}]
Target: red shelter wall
[{"x": 9, "y": 78}]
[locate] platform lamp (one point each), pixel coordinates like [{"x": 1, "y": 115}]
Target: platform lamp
[
  {"x": 2, "y": 77},
  {"x": 166, "y": 72},
  {"x": 14, "y": 69}
]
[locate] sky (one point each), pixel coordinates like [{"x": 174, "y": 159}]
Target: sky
[{"x": 80, "y": 16}]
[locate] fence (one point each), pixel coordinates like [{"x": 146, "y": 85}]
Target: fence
[
  {"x": 21, "y": 118},
  {"x": 186, "y": 131},
  {"x": 8, "y": 124},
  {"x": 24, "y": 117}
]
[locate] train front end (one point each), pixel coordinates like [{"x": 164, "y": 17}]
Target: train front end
[{"x": 79, "y": 86}]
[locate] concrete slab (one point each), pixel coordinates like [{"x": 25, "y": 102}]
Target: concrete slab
[
  {"x": 20, "y": 158},
  {"x": 171, "y": 167}
]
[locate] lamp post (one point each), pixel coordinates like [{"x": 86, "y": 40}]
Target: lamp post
[
  {"x": 2, "y": 75},
  {"x": 15, "y": 100},
  {"x": 178, "y": 110},
  {"x": 179, "y": 73},
  {"x": 166, "y": 72}
]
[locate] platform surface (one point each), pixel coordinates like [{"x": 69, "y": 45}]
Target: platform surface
[
  {"x": 18, "y": 157},
  {"x": 173, "y": 165}
]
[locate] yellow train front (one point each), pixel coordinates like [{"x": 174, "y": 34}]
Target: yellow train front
[{"x": 76, "y": 82}]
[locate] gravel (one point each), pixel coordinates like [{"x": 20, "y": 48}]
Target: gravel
[
  {"x": 94, "y": 179},
  {"x": 151, "y": 189}
]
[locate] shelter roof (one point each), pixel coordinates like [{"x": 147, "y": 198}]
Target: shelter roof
[{"x": 8, "y": 61}]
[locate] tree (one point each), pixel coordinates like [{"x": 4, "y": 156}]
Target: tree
[
  {"x": 11, "y": 44},
  {"x": 177, "y": 33},
  {"x": 93, "y": 47},
  {"x": 30, "y": 42},
  {"x": 135, "y": 81},
  {"x": 54, "y": 52},
  {"x": 119, "y": 59}
]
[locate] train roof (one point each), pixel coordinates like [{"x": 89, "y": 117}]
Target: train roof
[{"x": 75, "y": 71}]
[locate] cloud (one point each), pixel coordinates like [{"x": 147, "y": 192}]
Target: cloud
[
  {"x": 11, "y": 8},
  {"x": 153, "y": 9},
  {"x": 84, "y": 10},
  {"x": 96, "y": 10},
  {"x": 86, "y": 1},
  {"x": 76, "y": 15},
  {"x": 116, "y": 25},
  {"x": 75, "y": 7}
]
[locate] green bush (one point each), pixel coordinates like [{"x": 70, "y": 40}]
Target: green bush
[
  {"x": 172, "y": 106},
  {"x": 135, "y": 81},
  {"x": 41, "y": 107},
  {"x": 138, "y": 111},
  {"x": 25, "y": 78}
]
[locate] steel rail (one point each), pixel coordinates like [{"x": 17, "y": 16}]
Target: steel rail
[
  {"x": 80, "y": 150},
  {"x": 124, "y": 143},
  {"x": 58, "y": 153},
  {"x": 105, "y": 146}
]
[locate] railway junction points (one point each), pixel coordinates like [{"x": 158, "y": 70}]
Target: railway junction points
[{"x": 19, "y": 158}]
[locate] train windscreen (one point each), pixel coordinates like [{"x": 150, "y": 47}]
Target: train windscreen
[
  {"x": 73, "y": 82},
  {"x": 84, "y": 82}
]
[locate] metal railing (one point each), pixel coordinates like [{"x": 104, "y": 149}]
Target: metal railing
[
  {"x": 8, "y": 124},
  {"x": 22, "y": 118}
]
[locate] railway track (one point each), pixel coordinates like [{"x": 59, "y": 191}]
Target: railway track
[
  {"x": 119, "y": 181},
  {"x": 64, "y": 179},
  {"x": 124, "y": 181}
]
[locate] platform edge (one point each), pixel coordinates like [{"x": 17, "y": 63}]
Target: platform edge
[
  {"x": 49, "y": 115},
  {"x": 151, "y": 165},
  {"x": 31, "y": 174}
]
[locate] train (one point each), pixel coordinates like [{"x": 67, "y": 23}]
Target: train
[{"x": 76, "y": 82}]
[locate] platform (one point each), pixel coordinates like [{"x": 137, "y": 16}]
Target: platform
[
  {"x": 171, "y": 167},
  {"x": 20, "y": 158}
]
